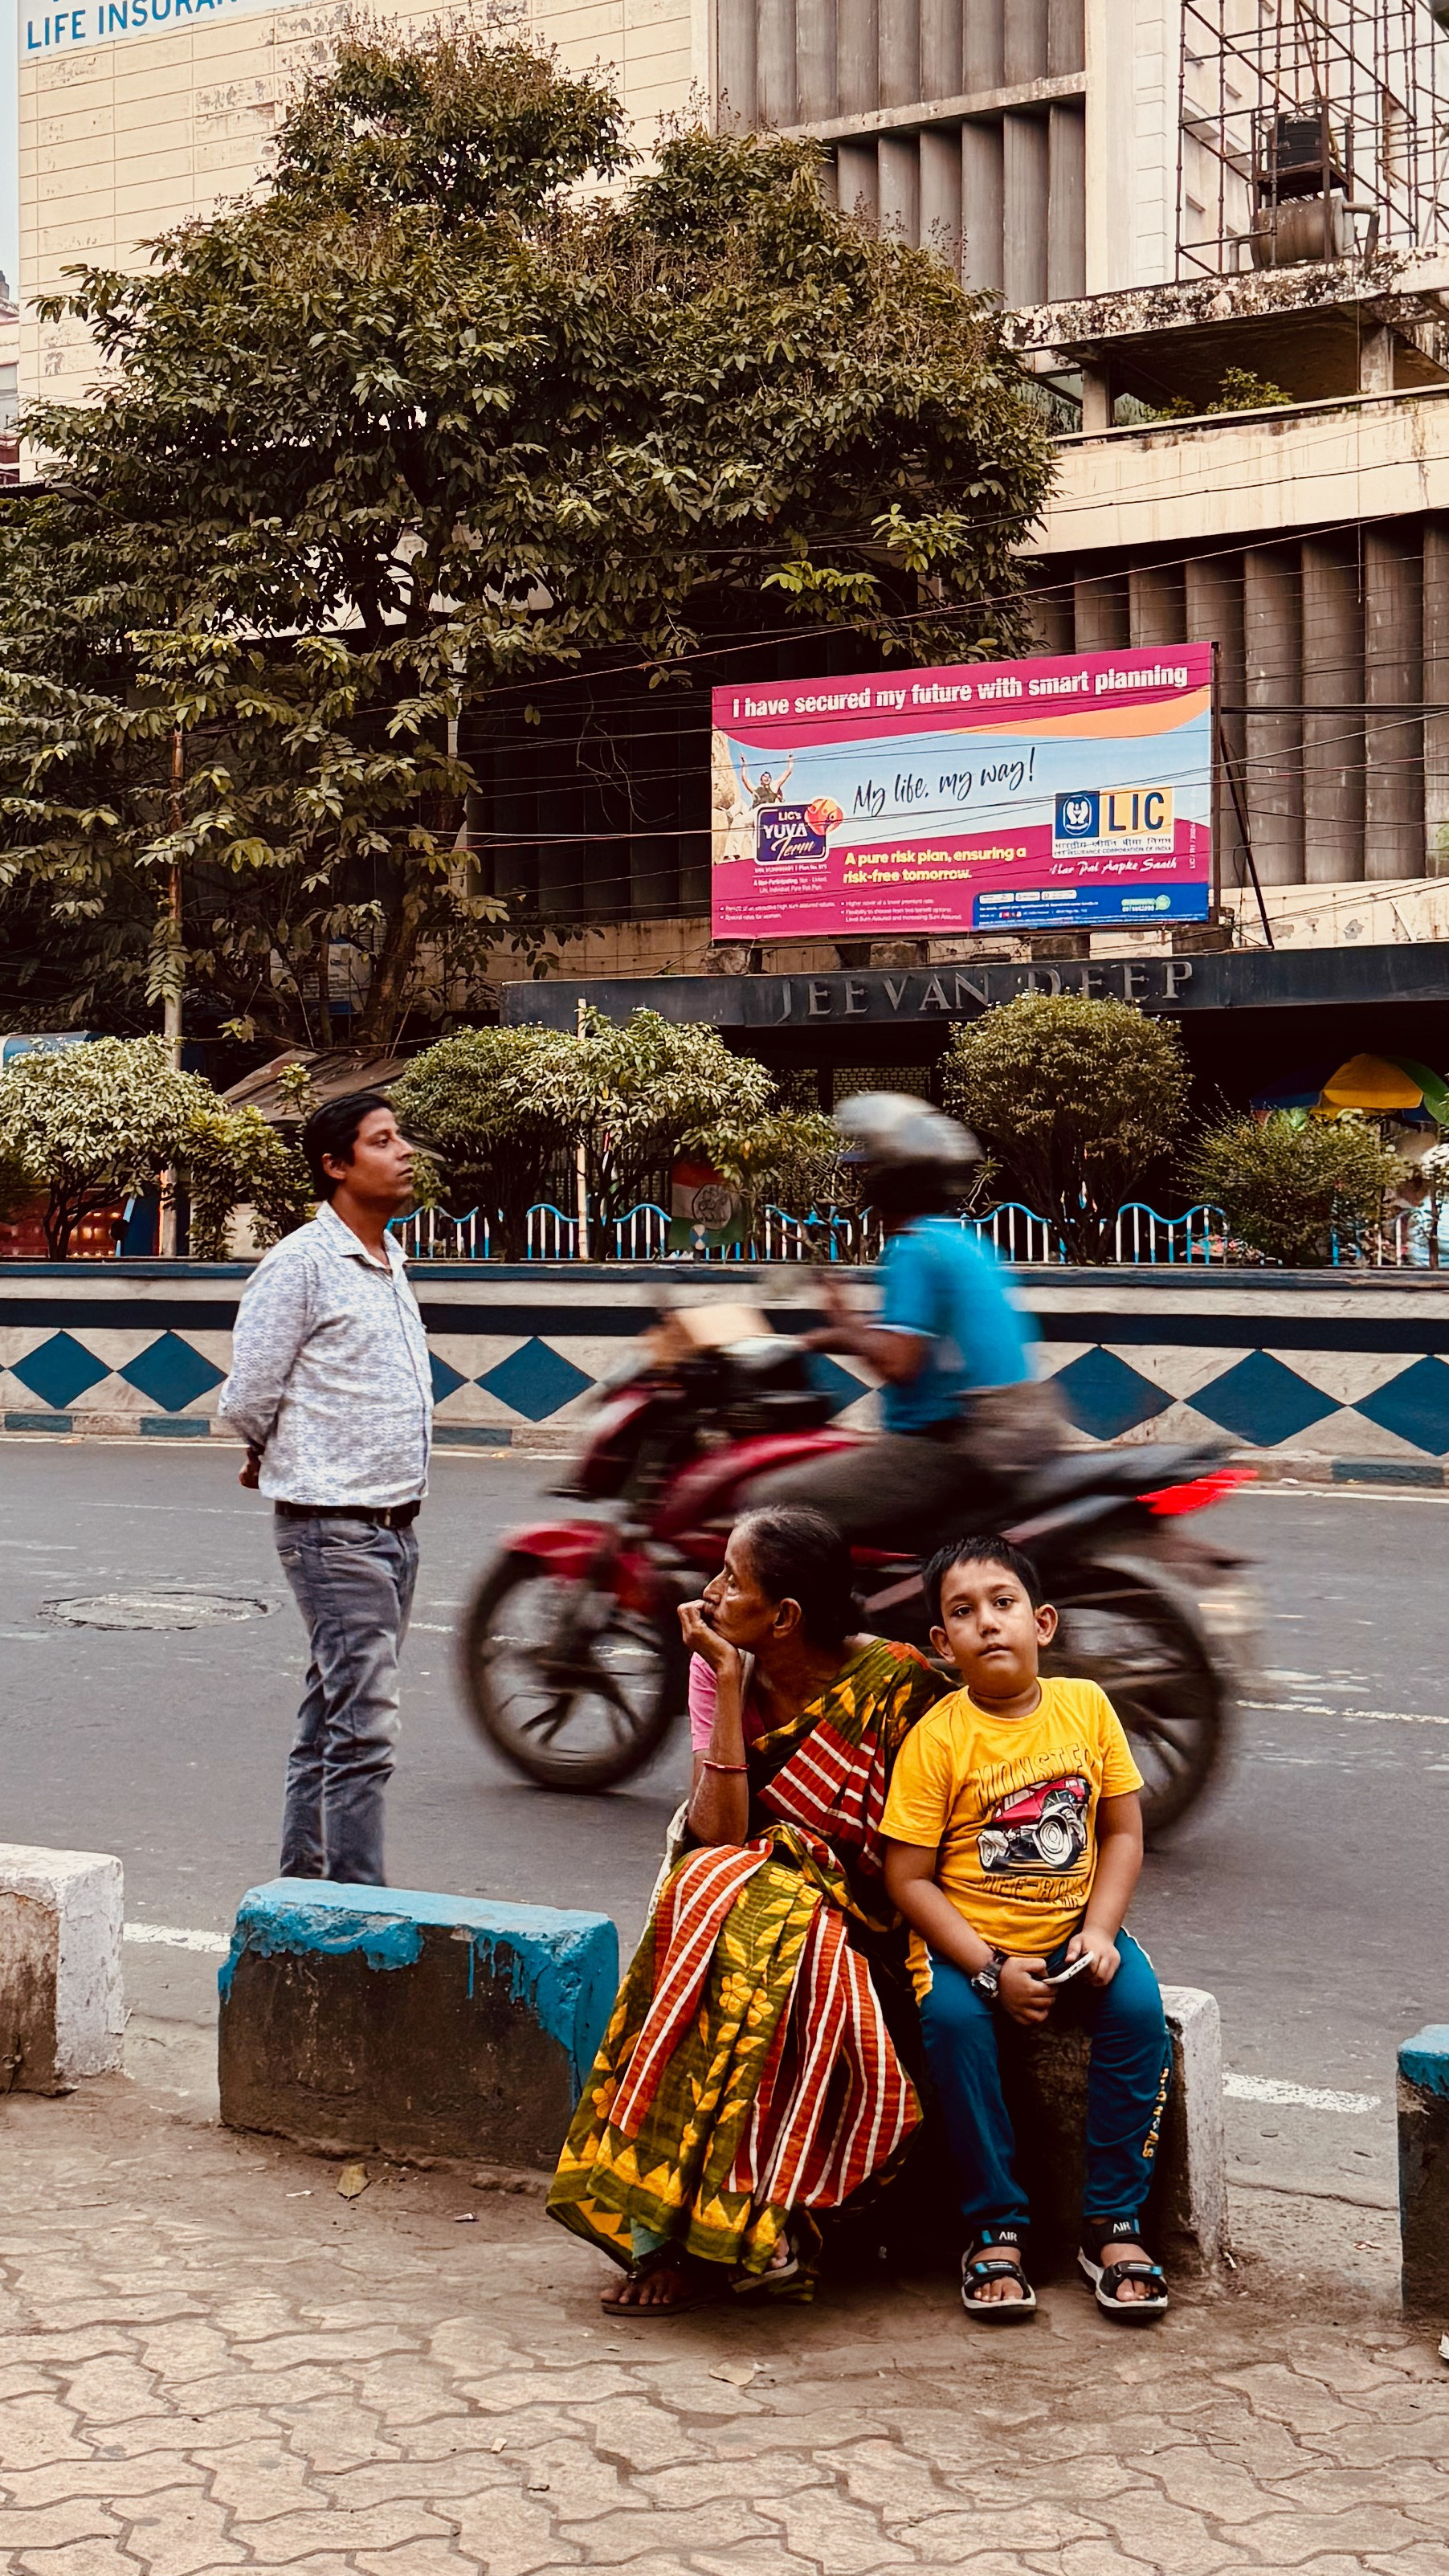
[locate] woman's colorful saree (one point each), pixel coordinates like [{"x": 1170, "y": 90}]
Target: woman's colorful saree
[{"x": 747, "y": 2070}]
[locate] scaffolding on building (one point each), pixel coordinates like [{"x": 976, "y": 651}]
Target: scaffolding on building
[{"x": 1311, "y": 130}]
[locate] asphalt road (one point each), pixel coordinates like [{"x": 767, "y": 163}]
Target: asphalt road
[{"x": 1310, "y": 1896}]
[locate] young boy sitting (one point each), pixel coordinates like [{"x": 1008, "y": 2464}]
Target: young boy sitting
[{"x": 1014, "y": 1845}]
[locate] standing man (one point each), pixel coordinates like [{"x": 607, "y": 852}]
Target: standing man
[{"x": 331, "y": 1390}]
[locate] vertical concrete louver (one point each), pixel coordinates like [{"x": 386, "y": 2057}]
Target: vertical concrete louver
[
  {"x": 1333, "y": 673},
  {"x": 959, "y": 123}
]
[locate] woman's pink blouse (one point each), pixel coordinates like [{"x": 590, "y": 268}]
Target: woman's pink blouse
[{"x": 701, "y": 1705}]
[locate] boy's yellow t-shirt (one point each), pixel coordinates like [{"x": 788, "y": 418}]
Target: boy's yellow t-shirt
[{"x": 1012, "y": 1805}]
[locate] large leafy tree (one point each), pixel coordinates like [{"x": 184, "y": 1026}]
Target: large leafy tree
[
  {"x": 472, "y": 1100},
  {"x": 632, "y": 1093},
  {"x": 1298, "y": 1189},
  {"x": 504, "y": 1113},
  {"x": 90, "y": 1124},
  {"x": 1079, "y": 1101},
  {"x": 430, "y": 418}
]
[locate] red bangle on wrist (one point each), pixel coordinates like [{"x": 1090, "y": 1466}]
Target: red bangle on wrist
[{"x": 722, "y": 1766}]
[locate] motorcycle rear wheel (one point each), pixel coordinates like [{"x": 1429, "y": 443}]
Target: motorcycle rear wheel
[
  {"x": 587, "y": 1723},
  {"x": 1122, "y": 1627}
]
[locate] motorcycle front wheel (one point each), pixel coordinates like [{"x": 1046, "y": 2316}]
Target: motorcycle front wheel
[
  {"x": 1124, "y": 1629},
  {"x": 570, "y": 1711}
]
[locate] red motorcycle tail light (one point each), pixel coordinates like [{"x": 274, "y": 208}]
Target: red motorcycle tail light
[{"x": 1169, "y": 1500}]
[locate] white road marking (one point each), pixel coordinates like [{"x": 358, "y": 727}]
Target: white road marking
[
  {"x": 433, "y": 1627},
  {"x": 168, "y": 1937},
  {"x": 1295, "y": 1707},
  {"x": 1391, "y": 1717},
  {"x": 1350, "y": 1716},
  {"x": 1303, "y": 2097}
]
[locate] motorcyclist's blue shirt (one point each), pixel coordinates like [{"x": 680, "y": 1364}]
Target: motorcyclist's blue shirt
[{"x": 940, "y": 1284}]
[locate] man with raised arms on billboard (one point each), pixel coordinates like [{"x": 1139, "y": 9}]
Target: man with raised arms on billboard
[{"x": 769, "y": 791}]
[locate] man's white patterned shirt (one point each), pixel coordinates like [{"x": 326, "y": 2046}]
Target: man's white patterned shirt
[{"x": 329, "y": 1372}]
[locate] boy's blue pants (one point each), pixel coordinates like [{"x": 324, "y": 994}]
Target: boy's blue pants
[{"x": 1126, "y": 2088}]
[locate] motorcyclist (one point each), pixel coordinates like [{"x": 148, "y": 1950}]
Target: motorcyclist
[{"x": 963, "y": 1414}]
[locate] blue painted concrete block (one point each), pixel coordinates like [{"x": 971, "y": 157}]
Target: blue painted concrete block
[
  {"x": 412, "y": 2023},
  {"x": 1424, "y": 2059},
  {"x": 1424, "y": 2169}
]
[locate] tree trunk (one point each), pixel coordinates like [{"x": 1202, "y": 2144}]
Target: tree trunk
[
  {"x": 62, "y": 1216},
  {"x": 324, "y": 991},
  {"x": 383, "y": 1012}
]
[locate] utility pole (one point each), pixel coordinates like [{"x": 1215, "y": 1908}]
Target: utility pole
[
  {"x": 167, "y": 1229},
  {"x": 581, "y": 1160}
]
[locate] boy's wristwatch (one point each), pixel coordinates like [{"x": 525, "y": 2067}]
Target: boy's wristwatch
[{"x": 987, "y": 1980}]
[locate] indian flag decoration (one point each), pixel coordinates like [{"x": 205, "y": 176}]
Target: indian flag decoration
[{"x": 704, "y": 1209}]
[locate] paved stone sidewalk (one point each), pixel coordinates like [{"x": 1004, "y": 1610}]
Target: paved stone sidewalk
[{"x": 210, "y": 2360}]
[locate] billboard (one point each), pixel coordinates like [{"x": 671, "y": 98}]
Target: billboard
[{"x": 1058, "y": 793}]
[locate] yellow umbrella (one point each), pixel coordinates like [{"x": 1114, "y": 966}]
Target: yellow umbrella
[{"x": 1371, "y": 1082}]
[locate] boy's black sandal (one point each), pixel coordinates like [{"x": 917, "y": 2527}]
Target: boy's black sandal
[
  {"x": 981, "y": 2264},
  {"x": 1107, "y": 2278}
]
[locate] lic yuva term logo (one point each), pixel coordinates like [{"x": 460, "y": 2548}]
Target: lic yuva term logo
[
  {"x": 1098, "y": 821},
  {"x": 786, "y": 835}
]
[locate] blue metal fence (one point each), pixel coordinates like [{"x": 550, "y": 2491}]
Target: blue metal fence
[{"x": 1144, "y": 1236}]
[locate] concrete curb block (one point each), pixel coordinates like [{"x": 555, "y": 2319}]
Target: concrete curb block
[
  {"x": 1194, "y": 2188},
  {"x": 414, "y": 2024},
  {"x": 62, "y": 2015},
  {"x": 1187, "y": 2207},
  {"x": 1423, "y": 2098}
]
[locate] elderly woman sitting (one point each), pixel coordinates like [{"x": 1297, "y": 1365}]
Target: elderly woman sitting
[{"x": 747, "y": 2077}]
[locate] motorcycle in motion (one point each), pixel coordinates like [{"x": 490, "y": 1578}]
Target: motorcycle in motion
[{"x": 572, "y": 1662}]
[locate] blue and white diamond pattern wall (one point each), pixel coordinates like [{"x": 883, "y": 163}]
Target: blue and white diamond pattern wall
[
  {"x": 1414, "y": 1406},
  {"x": 59, "y": 1369},
  {"x": 536, "y": 1380},
  {"x": 1180, "y": 1370},
  {"x": 843, "y": 1386},
  {"x": 446, "y": 1379},
  {"x": 1346, "y": 1377},
  {"x": 1262, "y": 1401},
  {"x": 172, "y": 1373},
  {"x": 1319, "y": 1400},
  {"x": 1106, "y": 1397}
]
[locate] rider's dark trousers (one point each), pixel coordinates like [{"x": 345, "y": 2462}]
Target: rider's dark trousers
[
  {"x": 1126, "y": 2088},
  {"x": 917, "y": 1489}
]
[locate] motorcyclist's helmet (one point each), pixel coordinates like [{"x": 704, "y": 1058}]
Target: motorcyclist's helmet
[
  {"x": 889, "y": 1131},
  {"x": 913, "y": 1161}
]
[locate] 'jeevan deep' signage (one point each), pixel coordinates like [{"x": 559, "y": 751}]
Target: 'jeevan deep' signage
[{"x": 1056, "y": 793}]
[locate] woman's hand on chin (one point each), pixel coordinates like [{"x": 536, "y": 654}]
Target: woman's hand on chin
[{"x": 701, "y": 1639}]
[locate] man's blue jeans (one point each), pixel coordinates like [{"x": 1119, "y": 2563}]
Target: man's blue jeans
[
  {"x": 354, "y": 1587},
  {"x": 1126, "y": 2087}
]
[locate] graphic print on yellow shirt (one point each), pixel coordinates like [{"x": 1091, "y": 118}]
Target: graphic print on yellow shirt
[{"x": 1011, "y": 1806}]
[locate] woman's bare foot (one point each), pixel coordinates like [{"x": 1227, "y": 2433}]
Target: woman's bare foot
[{"x": 657, "y": 2286}]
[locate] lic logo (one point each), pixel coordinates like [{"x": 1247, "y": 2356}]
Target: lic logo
[{"x": 1077, "y": 817}]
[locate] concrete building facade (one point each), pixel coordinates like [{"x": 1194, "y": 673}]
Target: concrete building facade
[
  {"x": 135, "y": 114},
  {"x": 1185, "y": 204}
]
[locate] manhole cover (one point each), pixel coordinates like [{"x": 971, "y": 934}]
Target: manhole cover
[{"x": 155, "y": 1610}]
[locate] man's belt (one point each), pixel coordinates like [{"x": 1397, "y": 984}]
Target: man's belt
[{"x": 385, "y": 1515}]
